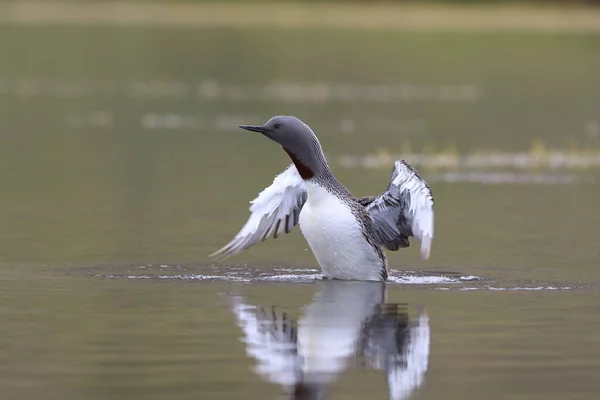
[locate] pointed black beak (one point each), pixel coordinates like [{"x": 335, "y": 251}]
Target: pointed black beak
[{"x": 254, "y": 128}]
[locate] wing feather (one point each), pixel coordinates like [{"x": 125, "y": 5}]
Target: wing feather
[
  {"x": 405, "y": 209},
  {"x": 276, "y": 209}
]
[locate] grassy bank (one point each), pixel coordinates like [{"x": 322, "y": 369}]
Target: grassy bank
[{"x": 496, "y": 16}]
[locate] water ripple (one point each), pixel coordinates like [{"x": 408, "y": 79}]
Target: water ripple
[{"x": 436, "y": 280}]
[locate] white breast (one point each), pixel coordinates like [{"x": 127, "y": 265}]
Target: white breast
[{"x": 336, "y": 239}]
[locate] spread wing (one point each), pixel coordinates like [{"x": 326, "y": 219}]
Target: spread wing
[
  {"x": 275, "y": 210},
  {"x": 405, "y": 209}
]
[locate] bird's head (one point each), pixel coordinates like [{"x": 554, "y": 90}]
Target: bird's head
[{"x": 297, "y": 139}]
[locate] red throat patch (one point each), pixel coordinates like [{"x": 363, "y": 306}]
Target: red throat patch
[{"x": 305, "y": 172}]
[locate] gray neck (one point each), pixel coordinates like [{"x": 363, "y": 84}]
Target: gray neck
[
  {"x": 319, "y": 165},
  {"x": 313, "y": 167},
  {"x": 310, "y": 162},
  {"x": 309, "y": 159}
]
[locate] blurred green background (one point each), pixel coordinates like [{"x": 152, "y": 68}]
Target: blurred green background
[{"x": 120, "y": 156}]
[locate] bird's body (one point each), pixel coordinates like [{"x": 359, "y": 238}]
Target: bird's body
[
  {"x": 346, "y": 234},
  {"x": 337, "y": 229}
]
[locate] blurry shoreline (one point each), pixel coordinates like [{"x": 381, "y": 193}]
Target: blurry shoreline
[{"x": 429, "y": 17}]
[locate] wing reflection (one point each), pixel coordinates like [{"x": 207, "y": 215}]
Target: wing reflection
[{"x": 345, "y": 321}]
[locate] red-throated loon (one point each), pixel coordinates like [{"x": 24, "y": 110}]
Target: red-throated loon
[{"x": 346, "y": 234}]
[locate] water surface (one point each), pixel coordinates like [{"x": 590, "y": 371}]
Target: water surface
[{"x": 122, "y": 169}]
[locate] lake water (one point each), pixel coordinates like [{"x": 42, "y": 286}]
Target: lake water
[{"x": 122, "y": 168}]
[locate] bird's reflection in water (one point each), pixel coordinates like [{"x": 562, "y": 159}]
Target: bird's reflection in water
[{"x": 345, "y": 321}]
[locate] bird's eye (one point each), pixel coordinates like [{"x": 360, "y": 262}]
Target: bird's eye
[{"x": 277, "y": 126}]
